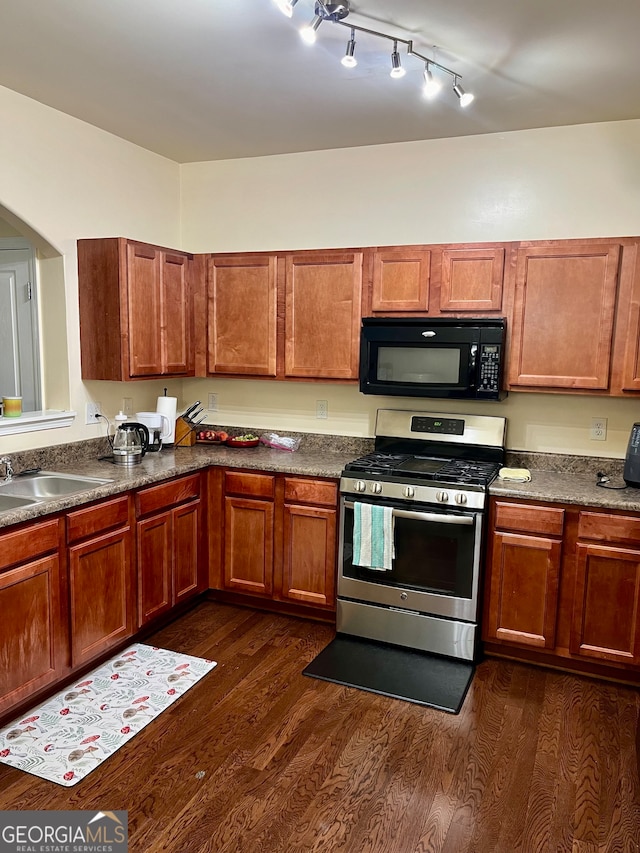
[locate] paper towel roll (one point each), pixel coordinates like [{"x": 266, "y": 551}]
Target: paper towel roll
[{"x": 168, "y": 406}]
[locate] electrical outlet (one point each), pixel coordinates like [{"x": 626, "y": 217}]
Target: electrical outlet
[
  {"x": 598, "y": 429},
  {"x": 127, "y": 406},
  {"x": 213, "y": 402},
  {"x": 91, "y": 411},
  {"x": 322, "y": 409}
]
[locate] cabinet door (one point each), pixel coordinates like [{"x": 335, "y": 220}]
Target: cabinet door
[
  {"x": 242, "y": 308},
  {"x": 563, "y": 316},
  {"x": 523, "y": 597},
  {"x": 32, "y": 636},
  {"x": 322, "y": 318},
  {"x": 309, "y": 565},
  {"x": 144, "y": 307},
  {"x": 248, "y": 545},
  {"x": 102, "y": 595},
  {"x": 154, "y": 549},
  {"x": 176, "y": 314},
  {"x": 472, "y": 279},
  {"x": 400, "y": 280},
  {"x": 186, "y": 551},
  {"x": 606, "y": 617},
  {"x": 628, "y": 360}
]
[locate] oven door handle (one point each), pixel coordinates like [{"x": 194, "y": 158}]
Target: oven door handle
[{"x": 465, "y": 520}]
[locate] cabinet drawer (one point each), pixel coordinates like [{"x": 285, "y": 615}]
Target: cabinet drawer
[
  {"x": 530, "y": 519},
  {"x": 314, "y": 492},
  {"x": 167, "y": 494},
  {"x": 243, "y": 483},
  {"x": 600, "y": 526},
  {"x": 29, "y": 542},
  {"x": 98, "y": 518}
]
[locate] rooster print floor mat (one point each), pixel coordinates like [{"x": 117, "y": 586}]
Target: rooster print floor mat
[{"x": 69, "y": 735}]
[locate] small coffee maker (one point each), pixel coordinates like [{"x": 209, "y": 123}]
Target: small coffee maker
[{"x": 158, "y": 426}]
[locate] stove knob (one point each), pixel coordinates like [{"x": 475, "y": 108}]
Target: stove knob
[
  {"x": 409, "y": 492},
  {"x": 461, "y": 499},
  {"x": 359, "y": 486},
  {"x": 443, "y": 497},
  {"x": 403, "y": 596},
  {"x": 376, "y": 488}
]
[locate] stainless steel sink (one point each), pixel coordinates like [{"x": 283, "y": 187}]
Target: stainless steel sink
[
  {"x": 49, "y": 485},
  {"x": 9, "y": 502}
]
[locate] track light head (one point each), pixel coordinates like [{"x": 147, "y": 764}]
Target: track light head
[
  {"x": 432, "y": 86},
  {"x": 464, "y": 97},
  {"x": 396, "y": 66},
  {"x": 308, "y": 33},
  {"x": 286, "y": 6},
  {"x": 349, "y": 60}
]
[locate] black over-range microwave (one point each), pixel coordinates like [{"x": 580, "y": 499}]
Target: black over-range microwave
[{"x": 419, "y": 357}]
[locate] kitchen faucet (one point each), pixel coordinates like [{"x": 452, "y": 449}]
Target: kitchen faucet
[{"x": 8, "y": 469}]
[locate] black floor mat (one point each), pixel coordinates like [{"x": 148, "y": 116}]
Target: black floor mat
[{"x": 394, "y": 671}]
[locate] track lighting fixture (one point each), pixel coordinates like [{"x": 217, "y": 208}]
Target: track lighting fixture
[
  {"x": 465, "y": 97},
  {"x": 349, "y": 60},
  {"x": 396, "y": 66},
  {"x": 335, "y": 13}
]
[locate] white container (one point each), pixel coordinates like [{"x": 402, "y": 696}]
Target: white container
[{"x": 155, "y": 421}]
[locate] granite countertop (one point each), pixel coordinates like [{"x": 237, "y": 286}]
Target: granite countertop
[
  {"x": 314, "y": 460},
  {"x": 570, "y": 487},
  {"x": 555, "y": 479}
]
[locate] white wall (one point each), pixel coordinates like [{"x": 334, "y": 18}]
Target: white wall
[
  {"x": 566, "y": 182},
  {"x": 65, "y": 180}
]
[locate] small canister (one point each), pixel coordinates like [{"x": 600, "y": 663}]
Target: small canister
[{"x": 11, "y": 407}]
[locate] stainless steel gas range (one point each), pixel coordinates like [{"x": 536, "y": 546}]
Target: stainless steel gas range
[{"x": 412, "y": 520}]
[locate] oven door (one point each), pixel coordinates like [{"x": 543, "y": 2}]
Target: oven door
[{"x": 436, "y": 564}]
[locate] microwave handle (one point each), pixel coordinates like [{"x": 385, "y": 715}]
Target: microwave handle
[
  {"x": 465, "y": 520},
  {"x": 473, "y": 360}
]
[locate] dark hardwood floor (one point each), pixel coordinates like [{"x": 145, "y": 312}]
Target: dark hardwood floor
[{"x": 257, "y": 757}]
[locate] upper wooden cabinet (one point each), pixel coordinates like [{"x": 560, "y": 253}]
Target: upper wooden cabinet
[
  {"x": 135, "y": 310},
  {"x": 400, "y": 280},
  {"x": 242, "y": 314},
  {"x": 438, "y": 280},
  {"x": 563, "y": 316},
  {"x": 295, "y": 315},
  {"x": 322, "y": 317},
  {"x": 472, "y": 279}
]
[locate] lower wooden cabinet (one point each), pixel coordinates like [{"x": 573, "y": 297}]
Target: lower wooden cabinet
[
  {"x": 606, "y": 608},
  {"x": 33, "y": 628},
  {"x": 525, "y": 574},
  {"x": 308, "y": 567},
  {"x": 102, "y": 591},
  {"x": 279, "y": 538},
  {"x": 170, "y": 552},
  {"x": 565, "y": 582}
]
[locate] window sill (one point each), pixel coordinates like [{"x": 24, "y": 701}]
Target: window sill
[{"x": 33, "y": 421}]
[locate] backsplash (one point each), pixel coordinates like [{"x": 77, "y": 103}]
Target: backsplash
[{"x": 565, "y": 464}]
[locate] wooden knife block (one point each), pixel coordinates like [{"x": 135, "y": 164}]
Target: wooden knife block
[{"x": 185, "y": 434}]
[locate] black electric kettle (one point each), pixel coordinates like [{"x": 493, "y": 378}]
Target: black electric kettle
[{"x": 130, "y": 443}]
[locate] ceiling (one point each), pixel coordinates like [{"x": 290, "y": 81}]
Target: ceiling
[{"x": 215, "y": 79}]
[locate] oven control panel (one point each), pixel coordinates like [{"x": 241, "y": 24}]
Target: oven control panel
[{"x": 465, "y": 498}]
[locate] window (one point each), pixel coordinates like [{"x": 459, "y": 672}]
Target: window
[{"x": 19, "y": 339}]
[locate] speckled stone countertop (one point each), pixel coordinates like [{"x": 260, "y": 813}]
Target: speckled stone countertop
[
  {"x": 317, "y": 456},
  {"x": 568, "y": 480},
  {"x": 555, "y": 478}
]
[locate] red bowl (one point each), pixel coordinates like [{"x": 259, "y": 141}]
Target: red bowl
[{"x": 236, "y": 442}]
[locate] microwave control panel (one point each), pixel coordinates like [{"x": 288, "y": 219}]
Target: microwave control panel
[{"x": 489, "y": 378}]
